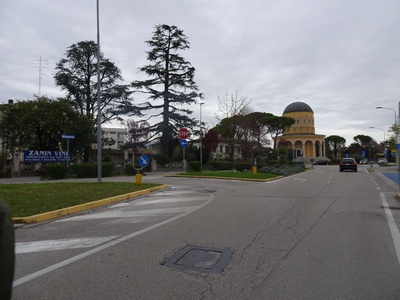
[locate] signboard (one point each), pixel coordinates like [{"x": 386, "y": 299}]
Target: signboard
[
  {"x": 184, "y": 143},
  {"x": 67, "y": 136},
  {"x": 47, "y": 156},
  {"x": 183, "y": 133},
  {"x": 144, "y": 160}
]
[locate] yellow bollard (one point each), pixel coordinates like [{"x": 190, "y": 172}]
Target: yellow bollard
[
  {"x": 138, "y": 178},
  {"x": 254, "y": 169}
]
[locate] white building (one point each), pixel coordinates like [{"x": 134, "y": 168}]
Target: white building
[{"x": 119, "y": 135}]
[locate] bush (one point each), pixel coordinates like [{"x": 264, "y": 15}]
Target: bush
[
  {"x": 221, "y": 165},
  {"x": 54, "y": 171},
  {"x": 90, "y": 170},
  {"x": 241, "y": 166},
  {"x": 162, "y": 159},
  {"x": 130, "y": 170},
  {"x": 195, "y": 166},
  {"x": 284, "y": 170}
]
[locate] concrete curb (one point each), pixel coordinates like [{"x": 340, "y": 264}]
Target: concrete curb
[
  {"x": 86, "y": 206},
  {"x": 226, "y": 178}
]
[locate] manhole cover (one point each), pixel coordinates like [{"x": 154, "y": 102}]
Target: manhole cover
[{"x": 200, "y": 259}]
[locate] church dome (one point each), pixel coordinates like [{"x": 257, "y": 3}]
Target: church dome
[{"x": 296, "y": 107}]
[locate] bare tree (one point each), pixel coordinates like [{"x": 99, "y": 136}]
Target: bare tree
[{"x": 233, "y": 104}]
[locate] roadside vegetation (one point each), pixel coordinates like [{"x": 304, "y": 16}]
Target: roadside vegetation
[{"x": 30, "y": 199}]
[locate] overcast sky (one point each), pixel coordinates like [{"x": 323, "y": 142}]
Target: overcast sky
[{"x": 341, "y": 57}]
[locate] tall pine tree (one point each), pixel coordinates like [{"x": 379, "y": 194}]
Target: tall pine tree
[
  {"x": 77, "y": 76},
  {"x": 170, "y": 86}
]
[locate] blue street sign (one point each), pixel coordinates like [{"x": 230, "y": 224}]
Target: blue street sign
[
  {"x": 363, "y": 153},
  {"x": 397, "y": 146},
  {"x": 184, "y": 143},
  {"x": 144, "y": 160},
  {"x": 67, "y": 136}
]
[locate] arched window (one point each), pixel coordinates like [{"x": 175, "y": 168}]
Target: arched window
[
  {"x": 297, "y": 121},
  {"x": 304, "y": 120}
]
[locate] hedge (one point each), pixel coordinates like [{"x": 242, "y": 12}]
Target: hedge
[{"x": 90, "y": 170}]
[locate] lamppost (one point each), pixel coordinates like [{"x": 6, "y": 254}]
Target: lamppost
[
  {"x": 384, "y": 139},
  {"x": 98, "y": 100},
  {"x": 201, "y": 143},
  {"x": 396, "y": 134}
]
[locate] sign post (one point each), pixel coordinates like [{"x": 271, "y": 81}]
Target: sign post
[
  {"x": 68, "y": 137},
  {"x": 183, "y": 134},
  {"x": 144, "y": 161}
]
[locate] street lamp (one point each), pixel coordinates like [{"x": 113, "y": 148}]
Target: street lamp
[
  {"x": 201, "y": 143},
  {"x": 98, "y": 100},
  {"x": 396, "y": 134},
  {"x": 384, "y": 139},
  {"x": 384, "y": 135}
]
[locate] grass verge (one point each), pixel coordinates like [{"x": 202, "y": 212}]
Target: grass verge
[
  {"x": 30, "y": 199},
  {"x": 231, "y": 175}
]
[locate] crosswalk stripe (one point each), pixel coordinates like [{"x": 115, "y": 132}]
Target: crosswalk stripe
[{"x": 49, "y": 245}]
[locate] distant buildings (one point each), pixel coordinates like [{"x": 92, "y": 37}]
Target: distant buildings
[
  {"x": 117, "y": 134},
  {"x": 301, "y": 136}
]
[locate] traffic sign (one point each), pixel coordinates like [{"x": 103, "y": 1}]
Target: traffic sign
[
  {"x": 144, "y": 160},
  {"x": 67, "y": 136},
  {"x": 184, "y": 143},
  {"x": 183, "y": 133}
]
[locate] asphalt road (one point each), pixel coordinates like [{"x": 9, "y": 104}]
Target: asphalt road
[{"x": 322, "y": 234}]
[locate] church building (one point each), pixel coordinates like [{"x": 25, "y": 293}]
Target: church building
[{"x": 306, "y": 144}]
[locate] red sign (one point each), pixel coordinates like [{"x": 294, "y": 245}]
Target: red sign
[{"x": 183, "y": 133}]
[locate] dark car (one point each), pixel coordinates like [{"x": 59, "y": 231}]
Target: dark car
[{"x": 348, "y": 164}]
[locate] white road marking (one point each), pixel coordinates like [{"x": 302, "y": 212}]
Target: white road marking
[
  {"x": 163, "y": 200},
  {"x": 300, "y": 179},
  {"x": 51, "y": 245},
  {"x": 104, "y": 246},
  {"x": 129, "y": 214},
  {"x": 392, "y": 225}
]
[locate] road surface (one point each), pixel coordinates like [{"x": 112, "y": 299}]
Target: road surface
[{"x": 322, "y": 234}]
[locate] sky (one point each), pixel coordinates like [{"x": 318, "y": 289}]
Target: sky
[{"x": 341, "y": 57}]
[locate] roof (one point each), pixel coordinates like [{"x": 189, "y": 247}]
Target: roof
[{"x": 297, "y": 106}]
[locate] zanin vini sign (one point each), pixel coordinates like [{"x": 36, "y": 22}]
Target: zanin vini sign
[{"x": 47, "y": 156}]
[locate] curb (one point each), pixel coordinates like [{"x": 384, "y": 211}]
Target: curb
[
  {"x": 226, "y": 178},
  {"x": 81, "y": 207}
]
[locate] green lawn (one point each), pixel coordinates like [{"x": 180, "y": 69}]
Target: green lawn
[
  {"x": 231, "y": 174},
  {"x": 30, "y": 199}
]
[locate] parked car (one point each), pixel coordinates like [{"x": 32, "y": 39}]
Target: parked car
[
  {"x": 364, "y": 161},
  {"x": 348, "y": 164},
  {"x": 382, "y": 161},
  {"x": 322, "y": 162}
]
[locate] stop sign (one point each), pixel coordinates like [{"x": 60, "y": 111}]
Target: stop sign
[{"x": 183, "y": 133}]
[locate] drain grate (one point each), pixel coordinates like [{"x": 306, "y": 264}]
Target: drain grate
[{"x": 200, "y": 259}]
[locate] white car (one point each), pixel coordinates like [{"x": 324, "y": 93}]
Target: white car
[{"x": 382, "y": 161}]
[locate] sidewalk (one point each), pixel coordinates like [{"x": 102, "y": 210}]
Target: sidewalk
[{"x": 126, "y": 178}]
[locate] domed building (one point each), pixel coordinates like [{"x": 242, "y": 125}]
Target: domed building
[{"x": 301, "y": 135}]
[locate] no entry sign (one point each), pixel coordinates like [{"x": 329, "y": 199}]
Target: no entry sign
[{"x": 183, "y": 133}]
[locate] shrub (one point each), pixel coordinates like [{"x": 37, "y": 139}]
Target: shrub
[
  {"x": 90, "y": 170},
  {"x": 54, "y": 171},
  {"x": 221, "y": 165},
  {"x": 284, "y": 170},
  {"x": 194, "y": 165},
  {"x": 241, "y": 166},
  {"x": 130, "y": 170},
  {"x": 162, "y": 159}
]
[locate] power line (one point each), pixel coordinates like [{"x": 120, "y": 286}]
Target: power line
[{"x": 42, "y": 65}]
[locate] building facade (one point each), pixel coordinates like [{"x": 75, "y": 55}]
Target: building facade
[
  {"x": 301, "y": 136},
  {"x": 117, "y": 134}
]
